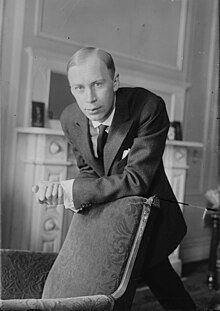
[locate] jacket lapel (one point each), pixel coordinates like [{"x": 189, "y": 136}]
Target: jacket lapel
[
  {"x": 119, "y": 129},
  {"x": 83, "y": 136}
]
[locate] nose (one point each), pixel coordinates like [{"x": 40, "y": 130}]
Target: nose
[{"x": 91, "y": 96}]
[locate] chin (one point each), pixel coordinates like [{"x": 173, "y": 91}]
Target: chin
[
  {"x": 92, "y": 118},
  {"x": 96, "y": 118}
]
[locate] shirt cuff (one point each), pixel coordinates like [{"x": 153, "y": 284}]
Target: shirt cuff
[{"x": 67, "y": 186}]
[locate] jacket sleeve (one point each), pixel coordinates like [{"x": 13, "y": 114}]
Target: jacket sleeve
[{"x": 144, "y": 159}]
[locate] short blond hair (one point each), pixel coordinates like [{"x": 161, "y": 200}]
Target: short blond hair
[{"x": 82, "y": 54}]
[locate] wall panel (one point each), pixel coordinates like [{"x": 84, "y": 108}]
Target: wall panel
[{"x": 152, "y": 31}]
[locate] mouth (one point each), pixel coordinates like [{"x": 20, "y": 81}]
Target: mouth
[{"x": 93, "y": 110}]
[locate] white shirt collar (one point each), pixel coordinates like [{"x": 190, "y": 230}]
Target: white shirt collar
[{"x": 107, "y": 122}]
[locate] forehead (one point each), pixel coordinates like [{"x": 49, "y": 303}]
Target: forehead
[{"x": 90, "y": 70}]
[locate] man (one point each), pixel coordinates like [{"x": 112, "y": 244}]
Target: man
[{"x": 128, "y": 162}]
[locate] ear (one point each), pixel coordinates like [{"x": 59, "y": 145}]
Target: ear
[{"x": 116, "y": 82}]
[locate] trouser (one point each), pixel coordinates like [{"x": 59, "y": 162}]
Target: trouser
[{"x": 167, "y": 287}]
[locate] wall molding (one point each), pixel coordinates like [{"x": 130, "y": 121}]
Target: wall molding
[
  {"x": 212, "y": 86},
  {"x": 9, "y": 154},
  {"x": 178, "y": 67},
  {"x": 40, "y": 65}
]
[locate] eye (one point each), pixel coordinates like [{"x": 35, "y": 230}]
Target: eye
[
  {"x": 78, "y": 88},
  {"x": 98, "y": 84}
]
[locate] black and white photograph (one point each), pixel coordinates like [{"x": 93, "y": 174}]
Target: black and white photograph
[{"x": 110, "y": 155}]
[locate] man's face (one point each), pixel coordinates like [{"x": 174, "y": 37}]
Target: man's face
[{"x": 93, "y": 88}]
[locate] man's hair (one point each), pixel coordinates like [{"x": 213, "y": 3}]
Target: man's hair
[{"x": 81, "y": 55}]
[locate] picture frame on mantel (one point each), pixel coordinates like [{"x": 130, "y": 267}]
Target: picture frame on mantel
[
  {"x": 175, "y": 131},
  {"x": 38, "y": 114}
]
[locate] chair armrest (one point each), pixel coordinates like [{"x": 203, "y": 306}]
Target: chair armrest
[
  {"x": 24, "y": 273},
  {"x": 86, "y": 303}
]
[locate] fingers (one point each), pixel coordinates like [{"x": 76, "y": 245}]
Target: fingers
[
  {"x": 41, "y": 194},
  {"x": 48, "y": 193},
  {"x": 55, "y": 189},
  {"x": 60, "y": 195}
]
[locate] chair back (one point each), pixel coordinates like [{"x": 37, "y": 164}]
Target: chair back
[{"x": 101, "y": 252}]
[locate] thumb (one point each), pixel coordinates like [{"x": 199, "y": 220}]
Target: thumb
[{"x": 35, "y": 189}]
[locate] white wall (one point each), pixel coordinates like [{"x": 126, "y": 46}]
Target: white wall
[{"x": 167, "y": 46}]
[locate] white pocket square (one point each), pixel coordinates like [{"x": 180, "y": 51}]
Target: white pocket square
[{"x": 125, "y": 153}]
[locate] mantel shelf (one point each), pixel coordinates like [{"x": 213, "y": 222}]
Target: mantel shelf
[
  {"x": 49, "y": 131},
  {"x": 182, "y": 143},
  {"x": 39, "y": 130}
]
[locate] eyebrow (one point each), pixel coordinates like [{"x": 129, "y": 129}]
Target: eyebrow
[{"x": 98, "y": 80}]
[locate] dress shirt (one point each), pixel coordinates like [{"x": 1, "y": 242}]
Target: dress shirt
[{"x": 94, "y": 130}]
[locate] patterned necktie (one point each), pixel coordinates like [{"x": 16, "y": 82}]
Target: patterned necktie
[{"x": 102, "y": 137}]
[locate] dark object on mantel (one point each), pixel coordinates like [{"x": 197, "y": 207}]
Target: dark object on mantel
[
  {"x": 38, "y": 114},
  {"x": 175, "y": 131}
]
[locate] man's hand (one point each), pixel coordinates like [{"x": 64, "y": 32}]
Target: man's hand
[{"x": 48, "y": 192}]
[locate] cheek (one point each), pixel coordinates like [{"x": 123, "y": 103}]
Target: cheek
[
  {"x": 107, "y": 97},
  {"x": 80, "y": 100}
]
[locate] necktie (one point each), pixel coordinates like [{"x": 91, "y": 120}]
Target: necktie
[{"x": 102, "y": 137}]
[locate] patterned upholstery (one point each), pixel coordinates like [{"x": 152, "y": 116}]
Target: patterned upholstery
[
  {"x": 96, "y": 264},
  {"x": 95, "y": 251},
  {"x": 24, "y": 273}
]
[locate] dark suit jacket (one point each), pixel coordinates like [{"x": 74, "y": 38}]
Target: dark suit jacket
[{"x": 140, "y": 124}]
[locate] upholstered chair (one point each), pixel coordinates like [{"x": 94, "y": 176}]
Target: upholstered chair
[{"x": 97, "y": 268}]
